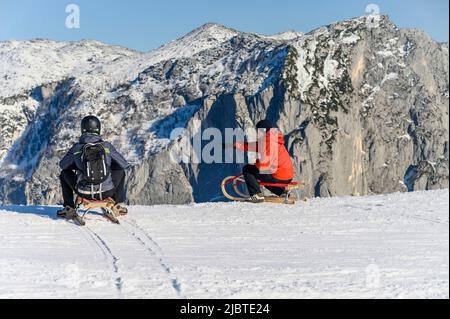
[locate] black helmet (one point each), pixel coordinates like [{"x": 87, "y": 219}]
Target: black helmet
[
  {"x": 91, "y": 124},
  {"x": 265, "y": 125}
]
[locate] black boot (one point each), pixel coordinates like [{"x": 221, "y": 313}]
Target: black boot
[
  {"x": 67, "y": 212},
  {"x": 257, "y": 198}
]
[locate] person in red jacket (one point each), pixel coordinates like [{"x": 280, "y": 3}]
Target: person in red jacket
[{"x": 274, "y": 164}]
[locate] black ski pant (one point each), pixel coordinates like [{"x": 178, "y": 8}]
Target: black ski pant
[
  {"x": 252, "y": 176},
  {"x": 68, "y": 180}
]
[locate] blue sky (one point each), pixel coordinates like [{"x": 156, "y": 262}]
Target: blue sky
[{"x": 146, "y": 24}]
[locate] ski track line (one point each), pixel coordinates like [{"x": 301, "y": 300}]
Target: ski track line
[
  {"x": 409, "y": 216},
  {"x": 423, "y": 219},
  {"x": 134, "y": 224},
  {"x": 146, "y": 241},
  {"x": 107, "y": 252},
  {"x": 440, "y": 222}
]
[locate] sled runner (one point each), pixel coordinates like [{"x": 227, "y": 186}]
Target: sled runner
[
  {"x": 236, "y": 181},
  {"x": 89, "y": 205}
]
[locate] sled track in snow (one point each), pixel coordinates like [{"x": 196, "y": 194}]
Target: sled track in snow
[
  {"x": 107, "y": 252},
  {"x": 142, "y": 238},
  {"x": 146, "y": 241},
  {"x": 433, "y": 221},
  {"x": 136, "y": 226}
]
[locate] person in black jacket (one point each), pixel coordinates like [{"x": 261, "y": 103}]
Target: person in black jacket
[{"x": 73, "y": 180}]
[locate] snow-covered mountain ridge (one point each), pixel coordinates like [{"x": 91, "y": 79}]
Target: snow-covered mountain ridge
[{"x": 364, "y": 110}]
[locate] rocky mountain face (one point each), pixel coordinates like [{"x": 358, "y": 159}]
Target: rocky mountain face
[{"x": 364, "y": 109}]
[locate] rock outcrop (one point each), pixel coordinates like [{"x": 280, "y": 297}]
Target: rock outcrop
[{"x": 364, "y": 109}]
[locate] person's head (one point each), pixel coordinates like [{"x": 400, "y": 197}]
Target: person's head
[
  {"x": 264, "y": 126},
  {"x": 91, "y": 125}
]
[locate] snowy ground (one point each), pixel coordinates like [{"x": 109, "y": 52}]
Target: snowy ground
[{"x": 394, "y": 246}]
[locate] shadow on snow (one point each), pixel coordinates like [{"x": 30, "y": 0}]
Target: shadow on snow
[{"x": 41, "y": 211}]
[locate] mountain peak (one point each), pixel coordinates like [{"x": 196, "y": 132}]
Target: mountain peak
[
  {"x": 383, "y": 21},
  {"x": 209, "y": 25},
  {"x": 212, "y": 30},
  {"x": 202, "y": 38}
]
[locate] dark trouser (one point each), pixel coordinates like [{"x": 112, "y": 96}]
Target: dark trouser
[
  {"x": 68, "y": 180},
  {"x": 252, "y": 176}
]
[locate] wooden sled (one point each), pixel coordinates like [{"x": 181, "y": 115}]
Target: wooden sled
[
  {"x": 235, "y": 181},
  {"x": 89, "y": 205}
]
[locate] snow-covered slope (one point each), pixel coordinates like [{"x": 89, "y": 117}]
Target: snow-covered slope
[
  {"x": 25, "y": 65},
  {"x": 284, "y": 36},
  {"x": 389, "y": 246}
]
